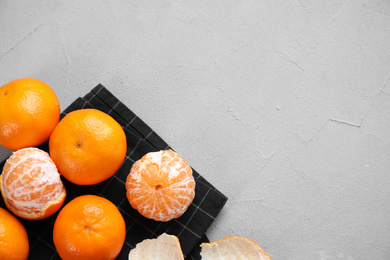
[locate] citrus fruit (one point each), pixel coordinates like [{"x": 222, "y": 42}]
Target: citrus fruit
[
  {"x": 89, "y": 227},
  {"x": 88, "y": 146},
  {"x": 233, "y": 247},
  {"x": 13, "y": 237},
  {"x": 160, "y": 185},
  {"x": 29, "y": 111},
  {"x": 164, "y": 247},
  {"x": 31, "y": 185}
]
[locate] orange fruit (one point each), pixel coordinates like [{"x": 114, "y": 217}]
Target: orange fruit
[
  {"x": 164, "y": 247},
  {"x": 88, "y": 146},
  {"x": 13, "y": 237},
  {"x": 89, "y": 227},
  {"x": 29, "y": 111},
  {"x": 233, "y": 247},
  {"x": 31, "y": 185},
  {"x": 160, "y": 185}
]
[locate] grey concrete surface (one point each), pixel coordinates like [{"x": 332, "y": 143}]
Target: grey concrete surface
[{"x": 283, "y": 105}]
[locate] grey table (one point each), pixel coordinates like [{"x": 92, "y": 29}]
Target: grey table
[{"x": 283, "y": 105}]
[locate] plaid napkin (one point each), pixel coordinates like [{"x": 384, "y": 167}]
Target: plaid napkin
[{"x": 190, "y": 228}]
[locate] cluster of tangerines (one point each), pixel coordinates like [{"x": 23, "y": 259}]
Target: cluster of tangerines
[{"x": 86, "y": 147}]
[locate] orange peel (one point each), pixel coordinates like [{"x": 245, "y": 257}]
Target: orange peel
[
  {"x": 233, "y": 247},
  {"x": 164, "y": 247}
]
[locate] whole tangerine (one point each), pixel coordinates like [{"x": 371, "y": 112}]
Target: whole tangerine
[
  {"x": 13, "y": 237},
  {"x": 29, "y": 111},
  {"x": 88, "y": 146},
  {"x": 89, "y": 227}
]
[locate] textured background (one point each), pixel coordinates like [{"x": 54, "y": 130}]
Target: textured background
[{"x": 283, "y": 105}]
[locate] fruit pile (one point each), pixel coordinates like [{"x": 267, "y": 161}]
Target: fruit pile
[{"x": 86, "y": 147}]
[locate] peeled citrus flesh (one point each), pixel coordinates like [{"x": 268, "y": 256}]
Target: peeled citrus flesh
[
  {"x": 233, "y": 247},
  {"x": 164, "y": 247},
  {"x": 31, "y": 185},
  {"x": 160, "y": 185}
]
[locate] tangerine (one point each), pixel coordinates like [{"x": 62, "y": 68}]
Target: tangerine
[
  {"x": 89, "y": 227},
  {"x": 29, "y": 111},
  {"x": 160, "y": 185},
  {"x": 13, "y": 237},
  {"x": 88, "y": 146},
  {"x": 31, "y": 185}
]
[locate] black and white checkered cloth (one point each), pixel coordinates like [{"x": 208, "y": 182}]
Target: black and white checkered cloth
[{"x": 141, "y": 139}]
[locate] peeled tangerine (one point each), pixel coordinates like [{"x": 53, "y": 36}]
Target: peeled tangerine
[
  {"x": 233, "y": 247},
  {"x": 160, "y": 185},
  {"x": 164, "y": 247},
  {"x": 31, "y": 185}
]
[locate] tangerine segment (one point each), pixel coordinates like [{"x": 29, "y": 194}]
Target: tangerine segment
[
  {"x": 88, "y": 146},
  {"x": 164, "y": 247},
  {"x": 233, "y": 247},
  {"x": 160, "y": 185},
  {"x": 89, "y": 227},
  {"x": 13, "y": 237},
  {"x": 31, "y": 185},
  {"x": 29, "y": 111}
]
